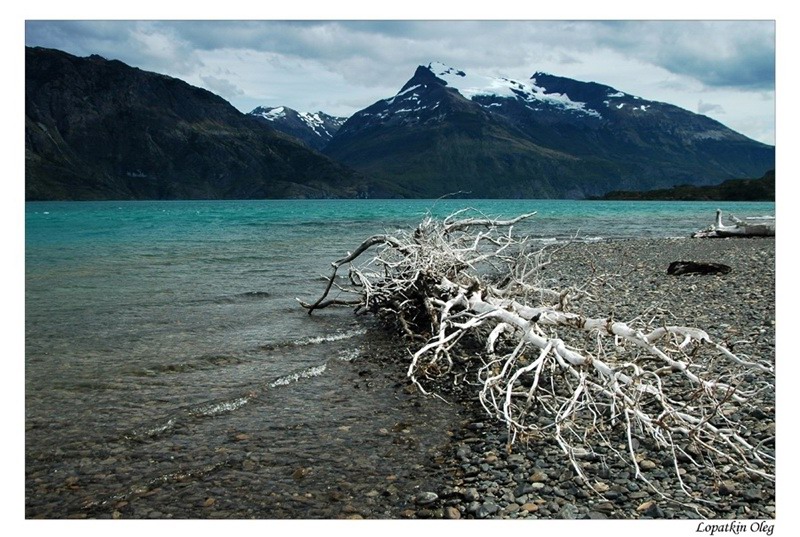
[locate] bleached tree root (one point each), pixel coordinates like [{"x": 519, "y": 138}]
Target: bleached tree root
[
  {"x": 752, "y": 227},
  {"x": 468, "y": 292}
]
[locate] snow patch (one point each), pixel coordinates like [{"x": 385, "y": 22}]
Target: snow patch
[
  {"x": 272, "y": 114},
  {"x": 471, "y": 86},
  {"x": 412, "y": 88},
  {"x": 315, "y": 123}
]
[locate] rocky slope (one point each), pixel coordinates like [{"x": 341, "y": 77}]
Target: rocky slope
[{"x": 99, "y": 129}]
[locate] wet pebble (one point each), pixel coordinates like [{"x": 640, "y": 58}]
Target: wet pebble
[
  {"x": 538, "y": 477},
  {"x": 752, "y": 495},
  {"x": 452, "y": 513},
  {"x": 486, "y": 509},
  {"x": 647, "y": 465},
  {"x": 568, "y": 511},
  {"x": 424, "y": 498}
]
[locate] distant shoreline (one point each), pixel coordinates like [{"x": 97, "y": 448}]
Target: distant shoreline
[{"x": 762, "y": 189}]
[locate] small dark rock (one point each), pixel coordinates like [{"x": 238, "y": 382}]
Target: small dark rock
[
  {"x": 429, "y": 513},
  {"x": 605, "y": 506},
  {"x": 568, "y": 511},
  {"x": 487, "y": 509},
  {"x": 523, "y": 489},
  {"x": 752, "y": 495},
  {"x": 471, "y": 495},
  {"x": 726, "y": 488},
  {"x": 654, "y": 511}
]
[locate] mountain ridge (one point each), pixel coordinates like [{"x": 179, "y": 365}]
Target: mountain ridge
[
  {"x": 100, "y": 129},
  {"x": 572, "y": 139}
]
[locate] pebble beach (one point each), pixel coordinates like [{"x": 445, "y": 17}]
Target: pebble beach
[
  {"x": 535, "y": 480},
  {"x": 382, "y": 450}
]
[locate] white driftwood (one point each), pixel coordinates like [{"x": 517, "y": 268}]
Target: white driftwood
[
  {"x": 750, "y": 227},
  {"x": 589, "y": 384}
]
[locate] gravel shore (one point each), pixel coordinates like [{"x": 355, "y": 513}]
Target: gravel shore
[
  {"x": 536, "y": 481},
  {"x": 405, "y": 455}
]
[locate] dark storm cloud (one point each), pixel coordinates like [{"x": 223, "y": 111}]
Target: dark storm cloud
[
  {"x": 146, "y": 44},
  {"x": 752, "y": 69},
  {"x": 718, "y": 54},
  {"x": 731, "y": 54}
]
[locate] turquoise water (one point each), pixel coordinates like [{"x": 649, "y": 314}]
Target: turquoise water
[{"x": 153, "y": 329}]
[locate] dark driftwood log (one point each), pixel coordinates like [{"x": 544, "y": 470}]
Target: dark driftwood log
[{"x": 676, "y": 268}]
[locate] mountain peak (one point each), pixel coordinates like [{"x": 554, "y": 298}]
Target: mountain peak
[
  {"x": 271, "y": 113},
  {"x": 314, "y": 129},
  {"x": 448, "y": 130},
  {"x": 439, "y": 69}
]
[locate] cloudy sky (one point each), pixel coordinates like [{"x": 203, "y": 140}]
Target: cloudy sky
[{"x": 723, "y": 69}]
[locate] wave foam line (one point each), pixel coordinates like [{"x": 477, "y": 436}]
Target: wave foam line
[
  {"x": 202, "y": 410},
  {"x": 154, "y": 430},
  {"x": 304, "y": 374},
  {"x": 336, "y": 337},
  {"x": 212, "y": 409},
  {"x": 349, "y": 355}
]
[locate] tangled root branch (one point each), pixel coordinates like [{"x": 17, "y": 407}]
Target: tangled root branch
[{"x": 452, "y": 283}]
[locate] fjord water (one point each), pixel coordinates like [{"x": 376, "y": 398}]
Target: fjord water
[{"x": 170, "y": 372}]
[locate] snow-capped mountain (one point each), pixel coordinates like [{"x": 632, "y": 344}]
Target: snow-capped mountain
[
  {"x": 313, "y": 129},
  {"x": 448, "y": 130},
  {"x": 493, "y": 91}
]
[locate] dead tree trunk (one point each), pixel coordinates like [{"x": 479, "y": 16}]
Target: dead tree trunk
[
  {"x": 451, "y": 283},
  {"x": 750, "y": 227}
]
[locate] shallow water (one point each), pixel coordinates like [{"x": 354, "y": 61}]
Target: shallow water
[{"x": 170, "y": 372}]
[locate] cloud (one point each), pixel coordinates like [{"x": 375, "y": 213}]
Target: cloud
[
  {"x": 716, "y": 53},
  {"x": 730, "y": 54},
  {"x": 222, "y": 87},
  {"x": 146, "y": 44},
  {"x": 348, "y": 65},
  {"x": 705, "y": 108}
]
